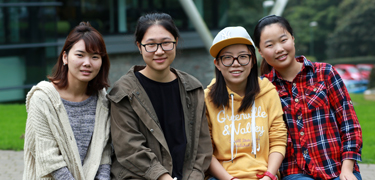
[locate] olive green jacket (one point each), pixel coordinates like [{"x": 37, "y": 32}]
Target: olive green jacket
[{"x": 140, "y": 147}]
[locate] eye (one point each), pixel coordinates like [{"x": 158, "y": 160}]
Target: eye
[
  {"x": 166, "y": 43},
  {"x": 226, "y": 57},
  {"x": 79, "y": 55},
  {"x": 151, "y": 44}
]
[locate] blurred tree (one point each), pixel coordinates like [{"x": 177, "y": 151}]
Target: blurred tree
[
  {"x": 354, "y": 34},
  {"x": 245, "y": 13},
  {"x": 301, "y": 13}
]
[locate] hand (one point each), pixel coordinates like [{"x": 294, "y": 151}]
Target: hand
[
  {"x": 265, "y": 178},
  {"x": 345, "y": 175},
  {"x": 165, "y": 176}
]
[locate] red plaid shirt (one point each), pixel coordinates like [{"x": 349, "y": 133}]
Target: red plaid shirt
[{"x": 323, "y": 129}]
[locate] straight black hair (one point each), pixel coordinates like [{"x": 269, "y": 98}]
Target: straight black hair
[
  {"x": 219, "y": 93},
  {"x": 265, "y": 68},
  {"x": 163, "y": 19}
]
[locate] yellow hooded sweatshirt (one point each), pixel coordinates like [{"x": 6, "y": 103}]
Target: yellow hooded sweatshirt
[{"x": 244, "y": 151}]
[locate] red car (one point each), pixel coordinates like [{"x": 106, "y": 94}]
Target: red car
[
  {"x": 348, "y": 72},
  {"x": 365, "y": 70}
]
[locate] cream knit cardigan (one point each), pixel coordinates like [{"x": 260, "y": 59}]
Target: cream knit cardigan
[{"x": 49, "y": 139}]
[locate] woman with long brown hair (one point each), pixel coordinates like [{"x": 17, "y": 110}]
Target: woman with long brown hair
[{"x": 68, "y": 127}]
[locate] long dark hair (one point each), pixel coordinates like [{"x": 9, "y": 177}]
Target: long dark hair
[
  {"x": 94, "y": 44},
  {"x": 265, "y": 68},
  {"x": 219, "y": 93}
]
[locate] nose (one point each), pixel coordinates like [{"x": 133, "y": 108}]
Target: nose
[
  {"x": 279, "y": 48},
  {"x": 159, "y": 50},
  {"x": 87, "y": 61},
  {"x": 236, "y": 62}
]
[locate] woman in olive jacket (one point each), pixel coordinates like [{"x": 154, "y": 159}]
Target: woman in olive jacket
[{"x": 149, "y": 141}]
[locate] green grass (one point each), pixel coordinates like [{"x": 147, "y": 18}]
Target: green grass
[
  {"x": 13, "y": 121},
  {"x": 365, "y": 111},
  {"x": 12, "y": 126}
]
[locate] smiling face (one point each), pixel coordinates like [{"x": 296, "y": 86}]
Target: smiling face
[
  {"x": 276, "y": 46},
  {"x": 235, "y": 76},
  {"x": 82, "y": 66},
  {"x": 159, "y": 60}
]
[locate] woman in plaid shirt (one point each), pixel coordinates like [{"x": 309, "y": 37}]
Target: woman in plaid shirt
[{"x": 324, "y": 135}]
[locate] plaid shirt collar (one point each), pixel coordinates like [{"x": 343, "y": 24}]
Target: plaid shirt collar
[{"x": 307, "y": 64}]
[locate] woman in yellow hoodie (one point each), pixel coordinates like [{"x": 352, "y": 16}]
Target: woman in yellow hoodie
[{"x": 244, "y": 112}]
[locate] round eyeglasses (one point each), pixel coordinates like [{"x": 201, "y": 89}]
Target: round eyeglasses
[
  {"x": 153, "y": 47},
  {"x": 242, "y": 59}
]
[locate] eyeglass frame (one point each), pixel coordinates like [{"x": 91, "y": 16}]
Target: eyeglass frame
[
  {"x": 235, "y": 58},
  {"x": 157, "y": 46}
]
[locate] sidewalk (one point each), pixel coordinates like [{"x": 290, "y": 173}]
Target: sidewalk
[{"x": 11, "y": 166}]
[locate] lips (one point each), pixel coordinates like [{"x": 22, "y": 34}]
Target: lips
[
  {"x": 235, "y": 72},
  {"x": 160, "y": 60},
  {"x": 85, "y": 72},
  {"x": 282, "y": 57}
]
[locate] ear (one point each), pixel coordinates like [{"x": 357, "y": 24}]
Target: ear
[
  {"x": 139, "y": 47},
  {"x": 260, "y": 52},
  {"x": 176, "y": 41},
  {"x": 65, "y": 58},
  {"x": 217, "y": 64},
  {"x": 293, "y": 41}
]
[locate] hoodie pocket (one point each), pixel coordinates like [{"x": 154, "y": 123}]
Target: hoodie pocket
[{"x": 316, "y": 95}]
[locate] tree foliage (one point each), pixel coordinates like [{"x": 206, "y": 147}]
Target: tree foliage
[{"x": 354, "y": 34}]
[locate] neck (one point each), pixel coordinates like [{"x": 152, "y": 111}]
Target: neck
[
  {"x": 159, "y": 76},
  {"x": 239, "y": 89},
  {"x": 290, "y": 72},
  {"x": 75, "y": 92}
]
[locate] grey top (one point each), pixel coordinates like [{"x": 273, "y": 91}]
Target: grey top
[{"x": 82, "y": 120}]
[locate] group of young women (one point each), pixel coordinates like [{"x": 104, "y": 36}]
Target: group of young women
[{"x": 295, "y": 121}]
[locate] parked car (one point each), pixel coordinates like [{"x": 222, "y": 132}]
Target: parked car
[
  {"x": 365, "y": 70},
  {"x": 348, "y": 71},
  {"x": 353, "y": 79}
]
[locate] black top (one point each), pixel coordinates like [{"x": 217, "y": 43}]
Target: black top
[{"x": 166, "y": 100}]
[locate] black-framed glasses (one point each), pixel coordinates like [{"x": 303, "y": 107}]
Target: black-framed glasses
[
  {"x": 153, "y": 47},
  {"x": 242, "y": 59}
]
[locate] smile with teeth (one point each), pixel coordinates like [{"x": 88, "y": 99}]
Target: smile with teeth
[
  {"x": 236, "y": 72},
  {"x": 281, "y": 57}
]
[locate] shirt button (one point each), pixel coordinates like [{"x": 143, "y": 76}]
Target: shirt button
[
  {"x": 294, "y": 84},
  {"x": 299, "y": 117},
  {"x": 350, "y": 102},
  {"x": 152, "y": 130},
  {"x": 302, "y": 133},
  {"x": 315, "y": 89},
  {"x": 296, "y": 100},
  {"x": 305, "y": 152}
]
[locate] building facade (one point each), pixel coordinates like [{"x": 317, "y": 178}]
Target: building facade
[{"x": 32, "y": 33}]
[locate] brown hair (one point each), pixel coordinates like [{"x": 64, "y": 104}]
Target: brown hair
[{"x": 94, "y": 44}]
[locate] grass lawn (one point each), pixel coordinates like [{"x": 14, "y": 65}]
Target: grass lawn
[
  {"x": 366, "y": 115},
  {"x": 12, "y": 126},
  {"x": 13, "y": 120}
]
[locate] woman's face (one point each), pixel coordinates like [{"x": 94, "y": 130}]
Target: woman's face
[
  {"x": 236, "y": 75},
  {"x": 160, "y": 60},
  {"x": 82, "y": 66},
  {"x": 276, "y": 46}
]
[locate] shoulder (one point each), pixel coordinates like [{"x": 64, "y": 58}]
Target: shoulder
[
  {"x": 43, "y": 91},
  {"x": 189, "y": 81},
  {"x": 123, "y": 87}
]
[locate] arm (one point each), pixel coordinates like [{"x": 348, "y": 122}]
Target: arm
[
  {"x": 349, "y": 128},
  {"x": 274, "y": 162},
  {"x": 129, "y": 142},
  {"x": 218, "y": 171},
  {"x": 347, "y": 170},
  {"x": 40, "y": 142},
  {"x": 204, "y": 152}
]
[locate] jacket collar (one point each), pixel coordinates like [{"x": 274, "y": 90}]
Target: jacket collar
[{"x": 129, "y": 84}]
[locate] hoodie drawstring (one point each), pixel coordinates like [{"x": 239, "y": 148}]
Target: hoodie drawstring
[
  {"x": 232, "y": 131},
  {"x": 253, "y": 130}
]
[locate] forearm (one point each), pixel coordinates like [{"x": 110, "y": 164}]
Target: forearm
[
  {"x": 274, "y": 162},
  {"x": 218, "y": 171},
  {"x": 165, "y": 176},
  {"x": 347, "y": 165}
]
